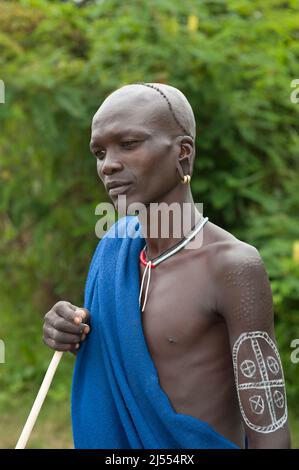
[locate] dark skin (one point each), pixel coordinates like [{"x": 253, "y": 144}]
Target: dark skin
[{"x": 201, "y": 300}]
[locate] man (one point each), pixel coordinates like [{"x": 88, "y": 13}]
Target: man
[{"x": 208, "y": 373}]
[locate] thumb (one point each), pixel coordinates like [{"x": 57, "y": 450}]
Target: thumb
[{"x": 83, "y": 314}]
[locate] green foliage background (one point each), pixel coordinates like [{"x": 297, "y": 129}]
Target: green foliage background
[{"x": 233, "y": 59}]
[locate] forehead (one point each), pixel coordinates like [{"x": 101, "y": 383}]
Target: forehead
[{"x": 129, "y": 110}]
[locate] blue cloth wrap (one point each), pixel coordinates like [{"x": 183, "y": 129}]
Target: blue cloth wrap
[{"x": 117, "y": 401}]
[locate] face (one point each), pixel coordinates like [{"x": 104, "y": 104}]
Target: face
[{"x": 135, "y": 149}]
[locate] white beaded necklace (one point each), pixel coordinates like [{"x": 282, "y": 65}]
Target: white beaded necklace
[{"x": 153, "y": 263}]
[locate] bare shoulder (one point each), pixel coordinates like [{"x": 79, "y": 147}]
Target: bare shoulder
[
  {"x": 226, "y": 252},
  {"x": 241, "y": 281}
]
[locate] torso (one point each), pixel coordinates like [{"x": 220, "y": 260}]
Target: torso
[{"x": 187, "y": 337}]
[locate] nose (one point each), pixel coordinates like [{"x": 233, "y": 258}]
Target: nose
[{"x": 109, "y": 166}]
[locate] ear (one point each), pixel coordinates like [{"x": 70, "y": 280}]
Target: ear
[{"x": 185, "y": 158}]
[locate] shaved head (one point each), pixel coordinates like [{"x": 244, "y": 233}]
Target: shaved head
[
  {"x": 163, "y": 102},
  {"x": 179, "y": 106},
  {"x": 144, "y": 134}
]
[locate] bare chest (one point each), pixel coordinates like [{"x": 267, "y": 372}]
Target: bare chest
[{"x": 179, "y": 307}]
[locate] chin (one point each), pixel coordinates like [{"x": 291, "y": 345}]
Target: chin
[{"x": 130, "y": 205}]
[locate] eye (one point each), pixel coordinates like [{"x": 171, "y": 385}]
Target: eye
[
  {"x": 129, "y": 143},
  {"x": 99, "y": 154}
]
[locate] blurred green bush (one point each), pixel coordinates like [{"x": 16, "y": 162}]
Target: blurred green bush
[{"x": 233, "y": 59}]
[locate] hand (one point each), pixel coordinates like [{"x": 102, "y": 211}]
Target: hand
[{"x": 66, "y": 326}]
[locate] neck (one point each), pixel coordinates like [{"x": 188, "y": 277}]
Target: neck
[{"x": 168, "y": 221}]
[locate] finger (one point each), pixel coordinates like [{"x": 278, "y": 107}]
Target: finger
[
  {"x": 86, "y": 316},
  {"x": 60, "y": 346},
  {"x": 61, "y": 324},
  {"x": 65, "y": 338},
  {"x": 65, "y": 310},
  {"x": 81, "y": 315},
  {"x": 60, "y": 337},
  {"x": 86, "y": 328}
]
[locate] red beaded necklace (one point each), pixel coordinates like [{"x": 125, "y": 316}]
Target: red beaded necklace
[{"x": 143, "y": 260}]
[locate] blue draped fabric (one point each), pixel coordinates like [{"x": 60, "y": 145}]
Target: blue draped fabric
[{"x": 117, "y": 401}]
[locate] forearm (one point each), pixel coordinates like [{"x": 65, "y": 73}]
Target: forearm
[{"x": 279, "y": 439}]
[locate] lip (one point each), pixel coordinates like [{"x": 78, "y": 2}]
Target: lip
[
  {"x": 115, "y": 183},
  {"x": 121, "y": 189}
]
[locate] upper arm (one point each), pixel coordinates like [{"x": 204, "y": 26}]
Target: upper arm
[{"x": 245, "y": 302}]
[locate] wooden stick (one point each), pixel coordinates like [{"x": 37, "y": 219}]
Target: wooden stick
[{"x": 21, "y": 444}]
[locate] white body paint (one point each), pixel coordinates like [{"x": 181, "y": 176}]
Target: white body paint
[{"x": 260, "y": 382}]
